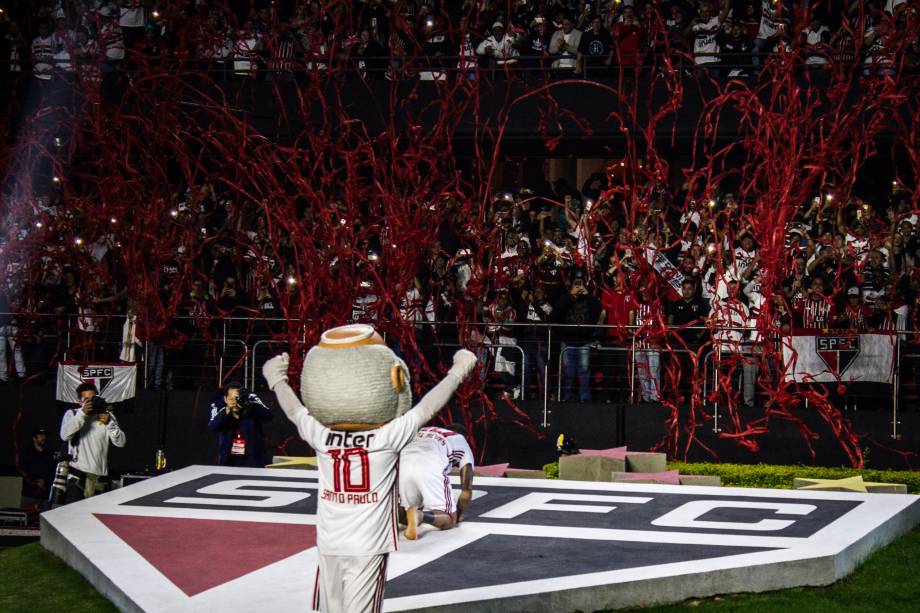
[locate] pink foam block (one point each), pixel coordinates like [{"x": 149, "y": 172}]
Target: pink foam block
[
  {"x": 616, "y": 453},
  {"x": 491, "y": 470}
]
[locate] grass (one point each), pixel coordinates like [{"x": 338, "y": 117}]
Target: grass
[
  {"x": 35, "y": 581},
  {"x": 886, "y": 582}
]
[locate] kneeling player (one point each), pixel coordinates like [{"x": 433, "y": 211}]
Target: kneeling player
[{"x": 424, "y": 478}]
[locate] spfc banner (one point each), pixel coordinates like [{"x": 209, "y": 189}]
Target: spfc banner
[
  {"x": 845, "y": 358},
  {"x": 115, "y": 381}
]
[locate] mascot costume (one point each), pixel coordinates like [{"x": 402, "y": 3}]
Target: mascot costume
[{"x": 355, "y": 413}]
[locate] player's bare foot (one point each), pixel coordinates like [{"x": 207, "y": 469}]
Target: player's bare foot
[{"x": 411, "y": 523}]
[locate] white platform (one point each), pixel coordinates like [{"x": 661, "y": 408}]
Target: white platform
[{"x": 208, "y": 538}]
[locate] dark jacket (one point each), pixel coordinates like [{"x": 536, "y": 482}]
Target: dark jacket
[
  {"x": 584, "y": 311},
  {"x": 249, "y": 426}
]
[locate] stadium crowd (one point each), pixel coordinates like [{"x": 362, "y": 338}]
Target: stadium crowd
[
  {"x": 430, "y": 39},
  {"x": 673, "y": 277},
  {"x": 667, "y": 273}
]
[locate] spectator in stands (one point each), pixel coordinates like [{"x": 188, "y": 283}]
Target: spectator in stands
[
  {"x": 535, "y": 48},
  {"x": 854, "y": 315},
  {"x": 283, "y": 49},
  {"x": 501, "y": 48},
  {"x": 736, "y": 50},
  {"x": 628, "y": 39},
  {"x": 369, "y": 57},
  {"x": 705, "y": 31},
  {"x": 231, "y": 298},
  {"x": 247, "y": 47},
  {"x": 112, "y": 38},
  {"x": 465, "y": 42},
  {"x": 618, "y": 304},
  {"x": 564, "y": 43},
  {"x": 133, "y": 18},
  {"x": 580, "y": 310},
  {"x": 507, "y": 358},
  {"x": 13, "y": 48},
  {"x": 595, "y": 49},
  {"x": 9, "y": 337},
  {"x": 770, "y": 30},
  {"x": 689, "y": 311},
  {"x": 43, "y": 53},
  {"x": 676, "y": 25},
  {"x": 649, "y": 320},
  {"x": 534, "y": 308},
  {"x": 87, "y": 56},
  {"x": 730, "y": 318},
  {"x": 878, "y": 60},
  {"x": 813, "y": 311}
]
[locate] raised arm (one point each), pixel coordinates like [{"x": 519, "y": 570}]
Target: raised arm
[
  {"x": 275, "y": 372},
  {"x": 434, "y": 400}
]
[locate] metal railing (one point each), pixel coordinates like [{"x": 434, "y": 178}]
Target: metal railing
[
  {"x": 448, "y": 66},
  {"x": 226, "y": 353}
]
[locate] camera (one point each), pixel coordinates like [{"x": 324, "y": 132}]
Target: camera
[
  {"x": 245, "y": 401},
  {"x": 99, "y": 405}
]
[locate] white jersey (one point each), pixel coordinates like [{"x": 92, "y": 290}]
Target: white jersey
[
  {"x": 91, "y": 452},
  {"x": 706, "y": 41},
  {"x": 425, "y": 464},
  {"x": 356, "y": 510},
  {"x": 439, "y": 448}
]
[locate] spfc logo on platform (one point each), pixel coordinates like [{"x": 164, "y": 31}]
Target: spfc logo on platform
[
  {"x": 241, "y": 539},
  {"x": 838, "y": 352}
]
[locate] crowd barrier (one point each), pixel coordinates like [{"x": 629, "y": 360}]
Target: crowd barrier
[{"x": 523, "y": 360}]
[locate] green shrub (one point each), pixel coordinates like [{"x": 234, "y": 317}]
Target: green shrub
[
  {"x": 781, "y": 477},
  {"x": 776, "y": 476}
]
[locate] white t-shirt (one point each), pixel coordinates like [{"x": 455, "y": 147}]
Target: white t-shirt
[
  {"x": 92, "y": 450},
  {"x": 438, "y": 447},
  {"x": 356, "y": 510}
]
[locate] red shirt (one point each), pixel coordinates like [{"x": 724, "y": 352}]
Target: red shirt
[{"x": 618, "y": 305}]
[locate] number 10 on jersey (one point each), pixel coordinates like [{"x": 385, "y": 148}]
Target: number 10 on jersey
[{"x": 351, "y": 470}]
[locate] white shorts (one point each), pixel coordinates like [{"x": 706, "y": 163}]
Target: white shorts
[
  {"x": 347, "y": 584},
  {"x": 422, "y": 485}
]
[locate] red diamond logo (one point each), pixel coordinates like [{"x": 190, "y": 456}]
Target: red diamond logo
[{"x": 185, "y": 550}]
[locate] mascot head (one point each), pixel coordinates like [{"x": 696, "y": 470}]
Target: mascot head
[{"x": 352, "y": 381}]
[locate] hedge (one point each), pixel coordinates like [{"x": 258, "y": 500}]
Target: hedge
[{"x": 778, "y": 477}]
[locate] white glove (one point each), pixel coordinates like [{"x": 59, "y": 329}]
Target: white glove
[
  {"x": 464, "y": 363},
  {"x": 275, "y": 370}
]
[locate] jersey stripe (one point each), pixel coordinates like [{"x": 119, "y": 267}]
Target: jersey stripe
[
  {"x": 316, "y": 590},
  {"x": 394, "y": 496}
]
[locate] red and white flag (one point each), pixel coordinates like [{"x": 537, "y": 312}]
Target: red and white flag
[{"x": 845, "y": 358}]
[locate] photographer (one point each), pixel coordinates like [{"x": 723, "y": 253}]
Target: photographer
[
  {"x": 237, "y": 417},
  {"x": 88, "y": 429}
]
